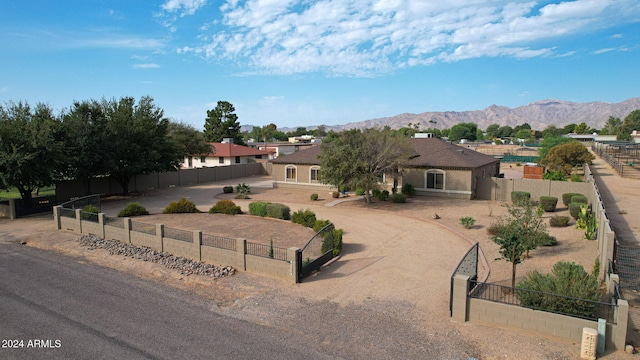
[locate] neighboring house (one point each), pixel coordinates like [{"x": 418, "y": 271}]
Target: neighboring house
[
  {"x": 225, "y": 153},
  {"x": 438, "y": 168},
  {"x": 277, "y": 149}
]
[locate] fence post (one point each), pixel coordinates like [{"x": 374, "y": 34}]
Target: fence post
[
  {"x": 101, "y": 218},
  {"x": 197, "y": 243},
  {"x": 79, "y": 219},
  {"x": 622, "y": 321},
  {"x": 56, "y": 216},
  {"x": 241, "y": 254},
  {"x": 160, "y": 236},
  {"x": 127, "y": 228},
  {"x": 292, "y": 253},
  {"x": 459, "y": 298}
]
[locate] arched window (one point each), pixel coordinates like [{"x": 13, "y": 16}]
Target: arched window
[
  {"x": 435, "y": 179},
  {"x": 314, "y": 173},
  {"x": 291, "y": 173}
]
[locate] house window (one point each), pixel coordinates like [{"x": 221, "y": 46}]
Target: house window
[
  {"x": 237, "y": 159},
  {"x": 435, "y": 179},
  {"x": 258, "y": 156},
  {"x": 291, "y": 173},
  {"x": 313, "y": 175},
  {"x": 220, "y": 160},
  {"x": 203, "y": 159}
]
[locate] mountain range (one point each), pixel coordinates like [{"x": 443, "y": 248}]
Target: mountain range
[{"x": 538, "y": 114}]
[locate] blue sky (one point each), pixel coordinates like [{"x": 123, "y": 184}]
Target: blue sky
[{"x": 306, "y": 63}]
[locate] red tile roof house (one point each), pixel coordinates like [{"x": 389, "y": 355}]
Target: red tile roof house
[
  {"x": 438, "y": 168},
  {"x": 224, "y": 154}
]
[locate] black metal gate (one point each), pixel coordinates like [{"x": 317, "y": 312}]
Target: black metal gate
[
  {"x": 467, "y": 266},
  {"x": 316, "y": 252}
]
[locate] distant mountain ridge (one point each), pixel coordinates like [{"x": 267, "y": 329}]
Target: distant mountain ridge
[{"x": 538, "y": 114}]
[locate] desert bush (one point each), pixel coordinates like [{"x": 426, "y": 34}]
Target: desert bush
[
  {"x": 181, "y": 206},
  {"x": 518, "y": 197},
  {"x": 555, "y": 175},
  {"x": 314, "y": 197},
  {"x": 575, "y": 209},
  {"x": 383, "y": 195},
  {"x": 320, "y": 224},
  {"x": 579, "y": 199},
  {"x": 576, "y": 178},
  {"x": 91, "y": 209},
  {"x": 278, "y": 211},
  {"x": 304, "y": 217},
  {"x": 566, "y": 198},
  {"x": 243, "y": 191},
  {"x": 399, "y": 198},
  {"x": 408, "y": 190},
  {"x": 494, "y": 229},
  {"x": 133, "y": 209},
  {"x": 549, "y": 240},
  {"x": 559, "y": 221},
  {"x": 567, "y": 279},
  {"x": 337, "y": 242},
  {"x": 359, "y": 191},
  {"x": 227, "y": 189},
  {"x": 595, "y": 272},
  {"x": 548, "y": 203},
  {"x": 225, "y": 207},
  {"x": 335, "y": 194},
  {"x": 467, "y": 222},
  {"x": 258, "y": 208}
]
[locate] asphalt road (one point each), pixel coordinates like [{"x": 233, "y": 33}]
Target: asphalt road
[{"x": 54, "y": 307}]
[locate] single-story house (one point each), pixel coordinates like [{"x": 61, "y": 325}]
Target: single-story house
[
  {"x": 437, "y": 168},
  {"x": 225, "y": 153}
]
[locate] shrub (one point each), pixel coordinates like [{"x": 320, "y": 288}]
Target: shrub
[
  {"x": 518, "y": 197},
  {"x": 383, "y": 195},
  {"x": 91, "y": 209},
  {"x": 567, "y": 279},
  {"x": 258, "y": 208},
  {"x": 320, "y": 224},
  {"x": 579, "y": 199},
  {"x": 359, "y": 191},
  {"x": 278, "y": 211},
  {"x": 575, "y": 209},
  {"x": 494, "y": 229},
  {"x": 566, "y": 198},
  {"x": 467, "y": 222},
  {"x": 314, "y": 197},
  {"x": 243, "y": 190},
  {"x": 408, "y": 190},
  {"x": 227, "y": 189},
  {"x": 337, "y": 242},
  {"x": 399, "y": 198},
  {"x": 559, "y": 221},
  {"x": 335, "y": 194},
  {"x": 375, "y": 193},
  {"x": 548, "y": 203},
  {"x": 225, "y": 207},
  {"x": 555, "y": 175},
  {"x": 595, "y": 272},
  {"x": 304, "y": 217},
  {"x": 181, "y": 206},
  {"x": 576, "y": 178},
  {"x": 549, "y": 240},
  {"x": 133, "y": 209}
]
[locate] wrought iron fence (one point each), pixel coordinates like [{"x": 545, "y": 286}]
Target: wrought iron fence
[
  {"x": 177, "y": 234},
  {"x": 536, "y": 300},
  {"x": 114, "y": 221},
  {"x": 467, "y": 266},
  {"x": 70, "y": 213},
  {"x": 267, "y": 251},
  {"x": 81, "y": 202},
  {"x": 319, "y": 244},
  {"x": 143, "y": 228},
  {"x": 219, "y": 242}
]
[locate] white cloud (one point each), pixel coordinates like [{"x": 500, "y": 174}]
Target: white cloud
[
  {"x": 368, "y": 37},
  {"x": 4, "y": 89},
  {"x": 185, "y": 7},
  {"x": 145, "y": 66}
]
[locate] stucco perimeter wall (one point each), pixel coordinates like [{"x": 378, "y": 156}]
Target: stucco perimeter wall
[
  {"x": 500, "y": 189},
  {"x": 239, "y": 259}
]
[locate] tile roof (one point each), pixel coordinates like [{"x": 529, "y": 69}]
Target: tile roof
[
  {"x": 429, "y": 152},
  {"x": 228, "y": 150}
]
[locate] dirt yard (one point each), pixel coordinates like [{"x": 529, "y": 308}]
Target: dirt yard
[{"x": 396, "y": 263}]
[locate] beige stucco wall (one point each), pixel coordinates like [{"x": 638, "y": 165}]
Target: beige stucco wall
[
  {"x": 213, "y": 161},
  {"x": 278, "y": 172},
  {"x": 457, "y": 183}
]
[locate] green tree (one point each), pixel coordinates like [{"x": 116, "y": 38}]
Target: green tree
[
  {"x": 551, "y": 131},
  {"x": 222, "y": 122},
  {"x": 612, "y": 126},
  {"x": 631, "y": 122},
  {"x": 521, "y": 230},
  {"x": 31, "y": 148},
  {"x": 523, "y": 134},
  {"x": 550, "y": 142},
  {"x": 504, "y": 131},
  {"x": 188, "y": 140},
  {"x": 566, "y": 156},
  {"x": 567, "y": 129},
  {"x": 360, "y": 158},
  {"x": 582, "y": 128},
  {"x": 492, "y": 130},
  {"x": 461, "y": 131},
  {"x": 138, "y": 134}
]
